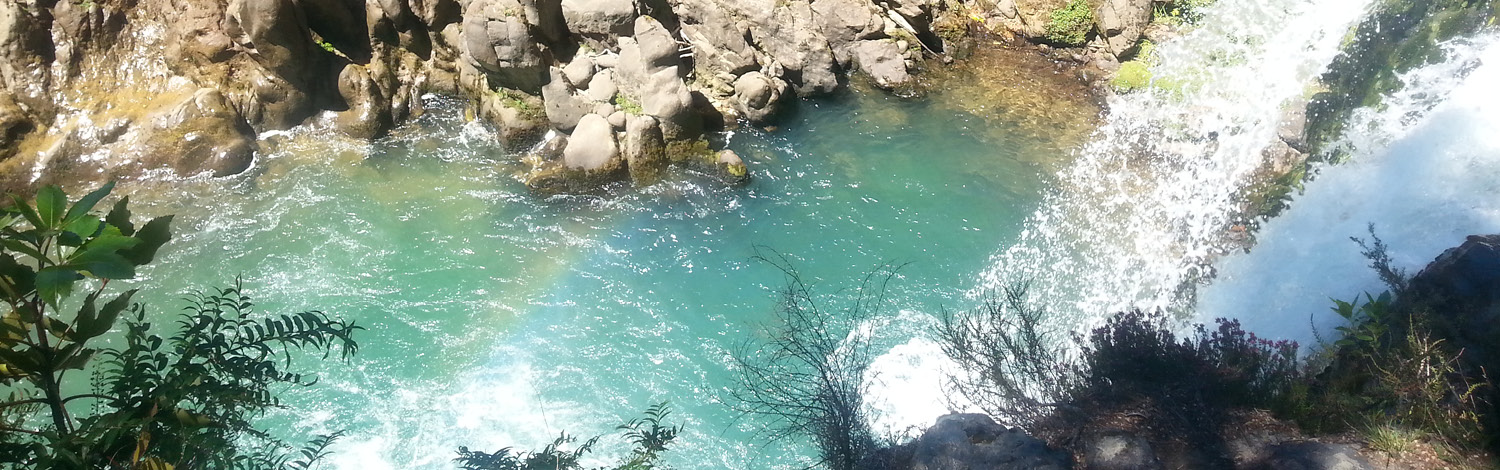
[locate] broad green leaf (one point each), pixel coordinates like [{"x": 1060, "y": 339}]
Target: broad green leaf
[
  {"x": 27, "y": 212},
  {"x": 59, "y": 328},
  {"x": 85, "y": 226},
  {"x": 55, "y": 282},
  {"x": 106, "y": 266},
  {"x": 51, "y": 204},
  {"x": 152, "y": 235},
  {"x": 23, "y": 247},
  {"x": 10, "y": 218},
  {"x": 119, "y": 217},
  {"x": 83, "y": 206},
  {"x": 106, "y": 316},
  {"x": 20, "y": 278},
  {"x": 104, "y": 244},
  {"x": 87, "y": 317}
]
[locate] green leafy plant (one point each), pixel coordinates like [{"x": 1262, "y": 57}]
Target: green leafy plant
[
  {"x": 628, "y": 105},
  {"x": 650, "y": 434},
  {"x": 183, "y": 401},
  {"x": 1070, "y": 25}
]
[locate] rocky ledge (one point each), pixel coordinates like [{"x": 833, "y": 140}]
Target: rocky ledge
[{"x": 617, "y": 89}]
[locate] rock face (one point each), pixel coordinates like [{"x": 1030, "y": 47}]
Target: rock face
[
  {"x": 1119, "y": 450},
  {"x": 525, "y": 66},
  {"x": 1308, "y": 455},
  {"x": 971, "y": 441},
  {"x": 592, "y": 145},
  {"x": 1462, "y": 289}
]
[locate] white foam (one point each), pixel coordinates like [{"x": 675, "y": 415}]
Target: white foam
[{"x": 1425, "y": 170}]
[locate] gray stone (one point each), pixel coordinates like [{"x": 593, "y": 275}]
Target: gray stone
[
  {"x": 720, "y": 48},
  {"x": 580, "y": 70},
  {"x": 599, "y": 17},
  {"x": 846, "y": 22},
  {"x": 1123, "y": 22},
  {"x": 592, "y": 145},
  {"x": 1309, "y": 455},
  {"x": 563, "y": 107},
  {"x": 13, "y": 122},
  {"x": 757, "y": 96},
  {"x": 369, "y": 114},
  {"x": 667, "y": 97},
  {"x": 498, "y": 41},
  {"x": 618, "y": 120},
  {"x": 657, "y": 48},
  {"x": 645, "y": 149},
  {"x": 1119, "y": 450},
  {"x": 882, "y": 60},
  {"x": 974, "y": 441},
  {"x": 602, "y": 88}
]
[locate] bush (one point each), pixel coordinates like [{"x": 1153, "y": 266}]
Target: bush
[
  {"x": 1071, "y": 24},
  {"x": 808, "y": 376},
  {"x": 185, "y": 401},
  {"x": 650, "y": 434}
]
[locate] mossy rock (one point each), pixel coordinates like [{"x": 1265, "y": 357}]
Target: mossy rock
[{"x": 1133, "y": 75}]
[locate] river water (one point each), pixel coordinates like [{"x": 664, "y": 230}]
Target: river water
[{"x": 496, "y": 318}]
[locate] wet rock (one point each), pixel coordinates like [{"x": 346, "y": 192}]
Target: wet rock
[
  {"x": 961, "y": 441},
  {"x": 757, "y": 96},
  {"x": 1119, "y": 450},
  {"x": 883, "y": 60},
  {"x": 645, "y": 149},
  {"x": 517, "y": 117},
  {"x": 592, "y": 145},
  {"x": 732, "y": 168},
  {"x": 201, "y": 134},
  {"x": 1309, "y": 455},
  {"x": 599, "y": 17},
  {"x": 368, "y": 115},
  {"x": 563, "y": 107},
  {"x": 14, "y": 123}
]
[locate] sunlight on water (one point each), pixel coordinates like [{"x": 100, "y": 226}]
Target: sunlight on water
[
  {"x": 499, "y": 319},
  {"x": 1425, "y": 169}
]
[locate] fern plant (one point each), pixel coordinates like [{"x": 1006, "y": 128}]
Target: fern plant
[{"x": 184, "y": 401}]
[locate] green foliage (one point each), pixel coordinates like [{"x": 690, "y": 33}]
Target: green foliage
[
  {"x": 1070, "y": 25},
  {"x": 183, "y": 401},
  {"x": 1180, "y": 12},
  {"x": 650, "y": 434},
  {"x": 328, "y": 47},
  {"x": 628, "y": 105},
  {"x": 1133, "y": 75},
  {"x": 1368, "y": 322}
]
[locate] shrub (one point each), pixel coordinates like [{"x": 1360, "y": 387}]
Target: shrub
[
  {"x": 184, "y": 401},
  {"x": 1071, "y": 24},
  {"x": 807, "y": 377},
  {"x": 650, "y": 434}
]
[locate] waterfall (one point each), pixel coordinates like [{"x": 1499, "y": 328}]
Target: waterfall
[
  {"x": 1148, "y": 204},
  {"x": 1424, "y": 169}
]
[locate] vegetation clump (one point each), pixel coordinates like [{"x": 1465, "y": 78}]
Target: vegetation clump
[
  {"x": 184, "y": 400},
  {"x": 1070, "y": 25},
  {"x": 1133, "y": 75},
  {"x": 651, "y": 435}
]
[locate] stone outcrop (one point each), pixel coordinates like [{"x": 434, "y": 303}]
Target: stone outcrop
[
  {"x": 960, "y": 441},
  {"x": 361, "y": 67}
]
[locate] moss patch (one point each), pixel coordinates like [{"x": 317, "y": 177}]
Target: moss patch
[{"x": 1133, "y": 75}]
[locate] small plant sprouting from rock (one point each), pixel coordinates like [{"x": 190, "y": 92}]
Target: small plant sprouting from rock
[
  {"x": 650, "y": 433},
  {"x": 628, "y": 105},
  {"x": 1070, "y": 25}
]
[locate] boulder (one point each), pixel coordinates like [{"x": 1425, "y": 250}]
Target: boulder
[
  {"x": 972, "y": 441},
  {"x": 546, "y": 16},
  {"x": 720, "y": 48},
  {"x": 645, "y": 149},
  {"x": 732, "y": 168},
  {"x": 1122, "y": 22},
  {"x": 757, "y": 97},
  {"x": 667, "y": 97},
  {"x": 563, "y": 107},
  {"x": 1462, "y": 289},
  {"x": 276, "y": 33},
  {"x": 602, "y": 87},
  {"x": 580, "y": 70},
  {"x": 600, "y": 18},
  {"x": 369, "y": 114},
  {"x": 1119, "y": 450},
  {"x": 794, "y": 41},
  {"x": 13, "y": 123},
  {"x": 203, "y": 133},
  {"x": 517, "y": 117},
  {"x": 1310, "y": 455},
  {"x": 657, "y": 48},
  {"x": 591, "y": 146},
  {"x": 497, "y": 40},
  {"x": 884, "y": 61},
  {"x": 845, "y": 22}
]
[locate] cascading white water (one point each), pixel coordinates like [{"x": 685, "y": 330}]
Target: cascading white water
[
  {"x": 1424, "y": 169},
  {"x": 1145, "y": 207}
]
